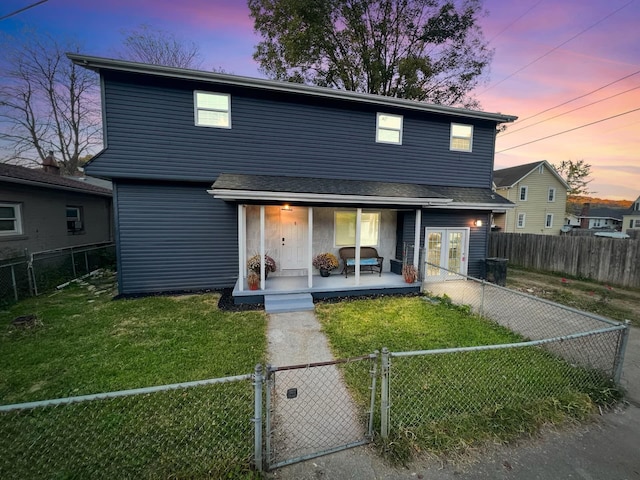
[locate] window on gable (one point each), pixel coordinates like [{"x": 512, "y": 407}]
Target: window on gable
[
  {"x": 548, "y": 223},
  {"x": 524, "y": 191},
  {"x": 345, "y": 228},
  {"x": 74, "y": 219},
  {"x": 521, "y": 220},
  {"x": 541, "y": 169},
  {"x": 212, "y": 109},
  {"x": 461, "y": 137},
  {"x": 637, "y": 206},
  {"x": 389, "y": 128},
  {"x": 10, "y": 219},
  {"x": 552, "y": 195}
]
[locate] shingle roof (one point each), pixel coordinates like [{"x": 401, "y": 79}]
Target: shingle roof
[
  {"x": 507, "y": 177},
  {"x": 360, "y": 188},
  {"x": 604, "y": 212},
  {"x": 31, "y": 176}
]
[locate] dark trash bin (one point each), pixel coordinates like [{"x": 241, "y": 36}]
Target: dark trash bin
[{"x": 497, "y": 270}]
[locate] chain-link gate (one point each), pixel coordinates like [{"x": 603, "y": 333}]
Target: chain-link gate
[{"x": 311, "y": 412}]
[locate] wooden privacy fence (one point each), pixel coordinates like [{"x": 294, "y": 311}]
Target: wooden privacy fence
[{"x": 610, "y": 260}]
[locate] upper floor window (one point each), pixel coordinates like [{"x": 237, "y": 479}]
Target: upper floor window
[
  {"x": 10, "y": 219},
  {"x": 345, "y": 228},
  {"x": 548, "y": 223},
  {"x": 389, "y": 128},
  {"x": 461, "y": 137},
  {"x": 541, "y": 169},
  {"x": 552, "y": 195},
  {"x": 74, "y": 219},
  {"x": 212, "y": 109},
  {"x": 637, "y": 206},
  {"x": 521, "y": 220},
  {"x": 524, "y": 192}
]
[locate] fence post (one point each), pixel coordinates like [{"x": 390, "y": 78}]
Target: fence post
[
  {"x": 384, "y": 395},
  {"x": 267, "y": 440},
  {"x": 73, "y": 264},
  {"x": 13, "y": 282},
  {"x": 257, "y": 417},
  {"x": 482, "y": 298},
  {"x": 372, "y": 404},
  {"x": 622, "y": 347},
  {"x": 86, "y": 261}
]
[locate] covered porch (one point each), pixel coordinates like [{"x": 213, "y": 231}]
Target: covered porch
[{"x": 327, "y": 287}]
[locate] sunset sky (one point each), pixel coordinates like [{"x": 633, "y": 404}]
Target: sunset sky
[{"x": 547, "y": 52}]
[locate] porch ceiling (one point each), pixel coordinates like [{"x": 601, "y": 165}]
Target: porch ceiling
[{"x": 240, "y": 187}]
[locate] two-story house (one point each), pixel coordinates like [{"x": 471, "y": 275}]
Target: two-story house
[
  {"x": 540, "y": 196},
  {"x": 210, "y": 169},
  {"x": 631, "y": 218}
]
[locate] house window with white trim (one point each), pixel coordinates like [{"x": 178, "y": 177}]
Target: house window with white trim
[
  {"x": 345, "y": 228},
  {"x": 548, "y": 223},
  {"x": 74, "y": 219},
  {"x": 461, "y": 137},
  {"x": 521, "y": 220},
  {"x": 637, "y": 223},
  {"x": 212, "y": 109},
  {"x": 389, "y": 128},
  {"x": 10, "y": 219},
  {"x": 524, "y": 193},
  {"x": 552, "y": 195}
]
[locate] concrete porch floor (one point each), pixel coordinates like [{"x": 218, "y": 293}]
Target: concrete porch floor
[{"x": 335, "y": 285}]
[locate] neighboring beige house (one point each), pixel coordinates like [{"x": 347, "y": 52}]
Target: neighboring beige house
[
  {"x": 540, "y": 195},
  {"x": 631, "y": 218}
]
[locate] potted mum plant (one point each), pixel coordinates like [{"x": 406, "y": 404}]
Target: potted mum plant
[
  {"x": 253, "y": 264},
  {"x": 253, "y": 280},
  {"x": 409, "y": 272},
  {"x": 325, "y": 262}
]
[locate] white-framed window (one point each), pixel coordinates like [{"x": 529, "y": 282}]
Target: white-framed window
[
  {"x": 345, "y": 228},
  {"x": 389, "y": 128},
  {"x": 524, "y": 193},
  {"x": 212, "y": 109},
  {"x": 637, "y": 206},
  {"x": 74, "y": 219},
  {"x": 551, "y": 197},
  {"x": 10, "y": 219},
  {"x": 548, "y": 222},
  {"x": 541, "y": 169},
  {"x": 461, "y": 137},
  {"x": 521, "y": 220},
  {"x": 637, "y": 223}
]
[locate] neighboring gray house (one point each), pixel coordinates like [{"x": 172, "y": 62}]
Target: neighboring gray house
[
  {"x": 600, "y": 218},
  {"x": 40, "y": 210},
  {"x": 209, "y": 169}
]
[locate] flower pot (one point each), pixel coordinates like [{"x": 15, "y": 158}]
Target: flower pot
[
  {"x": 324, "y": 272},
  {"x": 254, "y": 286}
]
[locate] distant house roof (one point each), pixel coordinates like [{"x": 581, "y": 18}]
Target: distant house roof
[
  {"x": 98, "y": 63},
  {"x": 322, "y": 190},
  {"x": 39, "y": 178},
  {"x": 508, "y": 177},
  {"x": 604, "y": 212}
]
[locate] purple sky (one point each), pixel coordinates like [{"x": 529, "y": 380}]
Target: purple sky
[{"x": 606, "y": 48}]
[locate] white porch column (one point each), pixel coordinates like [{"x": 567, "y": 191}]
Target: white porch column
[
  {"x": 416, "y": 240},
  {"x": 262, "y": 251},
  {"x": 310, "y": 249},
  {"x": 358, "y": 230},
  {"x": 242, "y": 245}
]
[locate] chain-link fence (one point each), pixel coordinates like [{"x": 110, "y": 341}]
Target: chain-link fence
[
  {"x": 558, "y": 359},
  {"x": 194, "y": 430},
  {"x": 311, "y": 412},
  {"x": 43, "y": 271}
]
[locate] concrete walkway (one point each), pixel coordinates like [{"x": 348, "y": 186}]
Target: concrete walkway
[{"x": 605, "y": 449}]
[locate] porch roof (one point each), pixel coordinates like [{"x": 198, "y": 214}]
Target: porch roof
[{"x": 241, "y": 187}]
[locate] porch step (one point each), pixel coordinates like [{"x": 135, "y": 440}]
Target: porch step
[{"x": 291, "y": 302}]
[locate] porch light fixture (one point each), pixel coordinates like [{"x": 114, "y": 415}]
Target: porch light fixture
[
  {"x": 478, "y": 223},
  {"x": 287, "y": 208}
]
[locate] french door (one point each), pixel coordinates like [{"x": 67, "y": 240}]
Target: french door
[{"x": 447, "y": 252}]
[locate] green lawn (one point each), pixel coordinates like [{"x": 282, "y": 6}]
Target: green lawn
[
  {"x": 86, "y": 344},
  {"x": 444, "y": 403}
]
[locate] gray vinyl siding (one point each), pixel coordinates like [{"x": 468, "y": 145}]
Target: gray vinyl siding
[
  {"x": 478, "y": 237},
  {"x": 174, "y": 238},
  {"x": 152, "y": 135}
]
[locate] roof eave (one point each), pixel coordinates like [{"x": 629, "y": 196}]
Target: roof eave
[
  {"x": 34, "y": 183},
  {"x": 98, "y": 63}
]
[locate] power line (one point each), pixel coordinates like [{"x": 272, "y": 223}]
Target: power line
[
  {"x": 513, "y": 22},
  {"x": 570, "y": 130},
  {"x": 558, "y": 46},
  {"x": 570, "y": 111},
  {"x": 579, "y": 97},
  {"x": 22, "y": 9}
]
